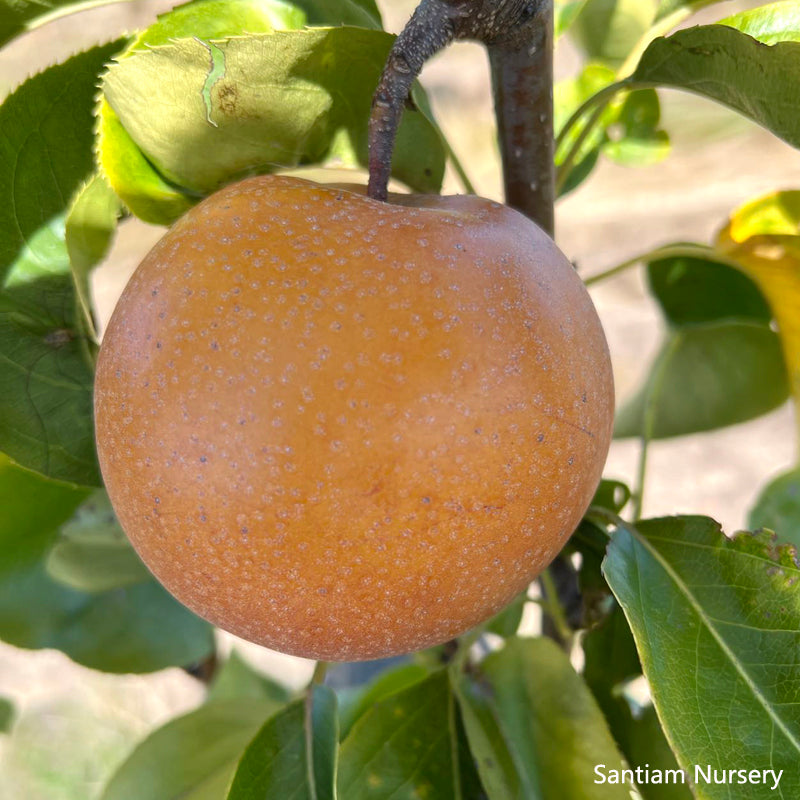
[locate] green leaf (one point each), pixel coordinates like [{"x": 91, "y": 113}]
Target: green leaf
[
  {"x": 499, "y": 773},
  {"x": 609, "y": 29},
  {"x": 532, "y": 711},
  {"x": 45, "y": 359},
  {"x": 89, "y": 230},
  {"x": 611, "y": 661},
  {"x": 716, "y": 624},
  {"x": 403, "y": 747},
  {"x": 778, "y": 507},
  {"x": 693, "y": 290},
  {"x": 354, "y": 703},
  {"x": 732, "y": 68},
  {"x": 272, "y": 100},
  {"x": 276, "y": 763},
  {"x": 611, "y": 494},
  {"x": 706, "y": 377},
  {"x": 192, "y": 757},
  {"x": 7, "y": 714},
  {"x": 361, "y": 13},
  {"x": 46, "y": 147},
  {"x": 238, "y": 680},
  {"x": 566, "y": 12},
  {"x": 92, "y": 553},
  {"x": 636, "y": 139},
  {"x": 667, "y": 8},
  {"x": 134, "y": 178},
  {"x": 136, "y": 629}
]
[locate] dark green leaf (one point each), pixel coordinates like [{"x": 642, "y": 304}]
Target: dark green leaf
[
  {"x": 609, "y": 29},
  {"x": 694, "y": 290},
  {"x": 137, "y": 629},
  {"x": 273, "y": 100},
  {"x": 6, "y": 714},
  {"x": 354, "y": 703},
  {"x": 534, "y": 711},
  {"x": 45, "y": 364},
  {"x": 734, "y": 69},
  {"x": 778, "y": 507},
  {"x": 192, "y": 757},
  {"x": 46, "y": 148},
  {"x": 237, "y": 680},
  {"x": 720, "y": 363},
  {"x": 610, "y": 661},
  {"x": 276, "y": 762},
  {"x": 403, "y": 747},
  {"x": 611, "y": 494},
  {"x": 706, "y": 377},
  {"x": 92, "y": 553},
  {"x": 717, "y": 626},
  {"x": 500, "y": 775},
  {"x": 323, "y": 738}
]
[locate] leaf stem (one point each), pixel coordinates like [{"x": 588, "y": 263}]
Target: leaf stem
[
  {"x": 667, "y": 251},
  {"x": 602, "y": 98},
  {"x": 320, "y": 671},
  {"x": 469, "y": 187},
  {"x": 552, "y": 605}
]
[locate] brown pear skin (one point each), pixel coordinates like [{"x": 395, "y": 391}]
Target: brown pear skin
[{"x": 346, "y": 429}]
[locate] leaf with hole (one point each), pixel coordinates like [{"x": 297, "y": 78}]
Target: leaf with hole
[{"x": 272, "y": 100}]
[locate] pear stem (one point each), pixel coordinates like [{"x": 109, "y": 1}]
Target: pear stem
[{"x": 518, "y": 34}]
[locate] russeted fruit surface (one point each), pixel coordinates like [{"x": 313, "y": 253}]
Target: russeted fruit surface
[{"x": 344, "y": 428}]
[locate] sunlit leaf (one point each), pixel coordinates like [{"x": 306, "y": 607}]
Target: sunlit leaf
[
  {"x": 716, "y": 623},
  {"x": 205, "y": 112},
  {"x": 762, "y": 237}
]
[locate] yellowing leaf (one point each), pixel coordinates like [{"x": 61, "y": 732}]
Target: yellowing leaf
[{"x": 763, "y": 238}]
